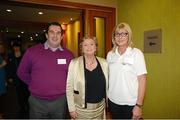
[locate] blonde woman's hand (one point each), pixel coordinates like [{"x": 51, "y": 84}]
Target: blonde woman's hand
[{"x": 137, "y": 113}]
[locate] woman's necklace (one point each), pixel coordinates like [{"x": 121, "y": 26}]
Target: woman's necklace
[{"x": 90, "y": 63}]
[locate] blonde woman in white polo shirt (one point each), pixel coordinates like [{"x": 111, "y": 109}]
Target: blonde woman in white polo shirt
[{"x": 127, "y": 75}]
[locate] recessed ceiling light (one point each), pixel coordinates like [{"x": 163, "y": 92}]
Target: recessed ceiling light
[
  {"x": 40, "y": 13},
  {"x": 31, "y": 38},
  {"x": 9, "y": 10},
  {"x": 19, "y": 36},
  {"x": 22, "y": 32}
]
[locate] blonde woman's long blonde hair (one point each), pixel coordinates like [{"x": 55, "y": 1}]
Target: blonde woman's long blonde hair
[{"x": 128, "y": 29}]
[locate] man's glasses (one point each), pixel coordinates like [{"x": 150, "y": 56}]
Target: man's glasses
[{"x": 122, "y": 34}]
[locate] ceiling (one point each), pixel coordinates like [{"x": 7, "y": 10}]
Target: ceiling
[
  {"x": 26, "y": 18},
  {"x": 25, "y": 13}
]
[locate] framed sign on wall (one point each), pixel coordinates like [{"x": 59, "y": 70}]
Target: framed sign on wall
[{"x": 153, "y": 41}]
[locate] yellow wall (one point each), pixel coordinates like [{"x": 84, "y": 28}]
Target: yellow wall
[
  {"x": 72, "y": 37},
  {"x": 163, "y": 80}
]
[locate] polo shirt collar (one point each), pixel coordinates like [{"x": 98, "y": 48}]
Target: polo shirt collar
[
  {"x": 127, "y": 50},
  {"x": 46, "y": 46}
]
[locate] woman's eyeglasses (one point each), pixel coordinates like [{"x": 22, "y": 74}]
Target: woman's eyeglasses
[{"x": 122, "y": 34}]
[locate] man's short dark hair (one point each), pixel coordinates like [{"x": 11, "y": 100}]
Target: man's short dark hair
[{"x": 56, "y": 24}]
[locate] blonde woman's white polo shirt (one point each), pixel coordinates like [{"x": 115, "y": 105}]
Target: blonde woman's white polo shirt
[{"x": 123, "y": 72}]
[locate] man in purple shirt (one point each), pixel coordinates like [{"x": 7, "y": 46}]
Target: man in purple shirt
[{"x": 44, "y": 68}]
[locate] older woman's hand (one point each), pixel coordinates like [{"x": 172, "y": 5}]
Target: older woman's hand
[{"x": 73, "y": 114}]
